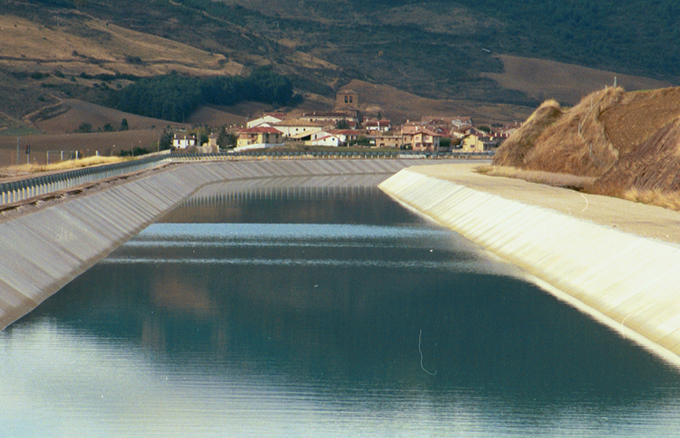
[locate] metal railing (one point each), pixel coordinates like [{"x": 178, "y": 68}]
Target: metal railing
[{"x": 19, "y": 190}]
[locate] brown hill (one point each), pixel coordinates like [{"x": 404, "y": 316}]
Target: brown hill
[
  {"x": 629, "y": 141},
  {"x": 575, "y": 143},
  {"x": 515, "y": 149},
  {"x": 652, "y": 166},
  {"x": 639, "y": 115},
  {"x": 567, "y": 83},
  {"x": 401, "y": 106},
  {"x": 93, "y": 46},
  {"x": 75, "y": 112}
]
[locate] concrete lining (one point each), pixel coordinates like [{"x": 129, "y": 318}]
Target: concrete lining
[
  {"x": 625, "y": 279},
  {"x": 43, "y": 250}
]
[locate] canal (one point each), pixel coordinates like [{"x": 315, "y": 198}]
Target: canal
[{"x": 306, "y": 307}]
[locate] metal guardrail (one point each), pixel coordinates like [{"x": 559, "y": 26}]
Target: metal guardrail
[
  {"x": 329, "y": 155},
  {"x": 19, "y": 190}
]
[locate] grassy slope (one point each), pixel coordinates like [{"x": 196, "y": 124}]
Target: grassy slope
[
  {"x": 543, "y": 79},
  {"x": 627, "y": 141}
]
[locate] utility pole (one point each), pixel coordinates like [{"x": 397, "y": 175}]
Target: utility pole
[{"x": 18, "y": 139}]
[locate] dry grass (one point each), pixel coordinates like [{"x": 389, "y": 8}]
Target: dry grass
[
  {"x": 572, "y": 141},
  {"x": 65, "y": 165},
  {"x": 30, "y": 46},
  {"x": 537, "y": 176},
  {"x": 654, "y": 197},
  {"x": 639, "y": 116},
  {"x": 514, "y": 150},
  {"x": 577, "y": 142}
]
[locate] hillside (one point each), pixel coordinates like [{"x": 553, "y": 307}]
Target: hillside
[
  {"x": 628, "y": 141},
  {"x": 651, "y": 166},
  {"x": 567, "y": 83},
  {"x": 479, "y": 54}
]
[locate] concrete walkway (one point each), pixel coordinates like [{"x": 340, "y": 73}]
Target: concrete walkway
[{"x": 641, "y": 219}]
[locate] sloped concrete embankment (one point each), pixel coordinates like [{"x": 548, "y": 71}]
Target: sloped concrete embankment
[
  {"x": 628, "y": 282},
  {"x": 42, "y": 251}
]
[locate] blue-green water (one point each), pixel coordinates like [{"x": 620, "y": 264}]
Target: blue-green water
[{"x": 318, "y": 314}]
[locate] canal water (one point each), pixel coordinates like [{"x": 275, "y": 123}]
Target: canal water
[{"x": 297, "y": 308}]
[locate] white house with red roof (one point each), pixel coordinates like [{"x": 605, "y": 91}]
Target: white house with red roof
[
  {"x": 345, "y": 135},
  {"x": 323, "y": 138}
]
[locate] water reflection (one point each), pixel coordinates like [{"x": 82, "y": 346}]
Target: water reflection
[{"x": 315, "y": 327}]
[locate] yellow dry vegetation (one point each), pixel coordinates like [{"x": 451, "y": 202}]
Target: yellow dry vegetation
[
  {"x": 516, "y": 148},
  {"x": 628, "y": 143},
  {"x": 572, "y": 141},
  {"x": 537, "y": 176},
  {"x": 107, "y": 49},
  {"x": 66, "y": 165},
  {"x": 660, "y": 198}
]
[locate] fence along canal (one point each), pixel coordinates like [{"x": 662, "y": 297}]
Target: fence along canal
[{"x": 19, "y": 190}]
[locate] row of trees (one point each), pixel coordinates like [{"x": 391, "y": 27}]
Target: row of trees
[{"x": 174, "y": 97}]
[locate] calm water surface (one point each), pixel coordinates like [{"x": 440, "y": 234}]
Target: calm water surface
[{"x": 318, "y": 313}]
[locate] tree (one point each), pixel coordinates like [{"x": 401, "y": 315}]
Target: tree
[
  {"x": 342, "y": 124},
  {"x": 226, "y": 139},
  {"x": 85, "y": 127},
  {"x": 165, "y": 141},
  {"x": 124, "y": 125}
]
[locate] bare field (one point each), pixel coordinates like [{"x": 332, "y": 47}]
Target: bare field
[
  {"x": 79, "y": 112},
  {"x": 567, "y": 83},
  {"x": 216, "y": 117},
  {"x": 401, "y": 106},
  {"x": 104, "y": 143}
]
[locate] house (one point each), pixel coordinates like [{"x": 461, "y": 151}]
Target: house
[
  {"x": 266, "y": 120},
  {"x": 322, "y": 138},
  {"x": 378, "y": 125},
  {"x": 507, "y": 130},
  {"x": 330, "y": 118},
  {"x": 258, "y": 137},
  {"x": 183, "y": 141},
  {"x": 291, "y": 128},
  {"x": 388, "y": 141},
  {"x": 422, "y": 140},
  {"x": 477, "y": 143},
  {"x": 345, "y": 135}
]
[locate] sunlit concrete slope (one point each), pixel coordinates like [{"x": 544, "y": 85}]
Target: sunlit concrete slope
[
  {"x": 42, "y": 251},
  {"x": 630, "y": 282}
]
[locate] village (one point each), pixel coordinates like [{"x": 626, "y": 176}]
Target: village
[{"x": 347, "y": 126}]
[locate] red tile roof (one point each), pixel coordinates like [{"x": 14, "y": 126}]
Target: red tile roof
[{"x": 260, "y": 130}]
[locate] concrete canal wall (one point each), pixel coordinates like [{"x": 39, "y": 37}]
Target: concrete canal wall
[
  {"x": 629, "y": 282},
  {"x": 42, "y": 251}
]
